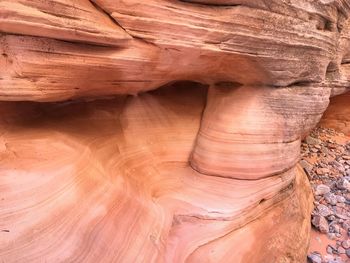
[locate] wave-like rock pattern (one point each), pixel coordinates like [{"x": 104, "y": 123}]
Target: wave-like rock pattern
[
  {"x": 109, "y": 181},
  {"x": 184, "y": 173},
  {"x": 236, "y": 129}
]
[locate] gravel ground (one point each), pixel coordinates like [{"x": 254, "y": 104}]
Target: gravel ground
[{"x": 326, "y": 160}]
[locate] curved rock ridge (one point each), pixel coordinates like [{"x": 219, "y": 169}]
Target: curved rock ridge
[
  {"x": 87, "y": 182},
  {"x": 181, "y": 173},
  {"x": 236, "y": 129}
]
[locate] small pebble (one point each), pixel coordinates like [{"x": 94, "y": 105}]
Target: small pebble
[
  {"x": 315, "y": 257},
  {"x": 323, "y": 210},
  {"x": 320, "y": 223},
  {"x": 348, "y": 252},
  {"x": 329, "y": 249},
  {"x": 346, "y": 244},
  {"x": 343, "y": 184},
  {"x": 341, "y": 250},
  {"x": 322, "y": 189}
]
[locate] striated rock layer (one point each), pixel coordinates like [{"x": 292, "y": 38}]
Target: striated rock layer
[
  {"x": 109, "y": 181},
  {"x": 337, "y": 116},
  {"x": 203, "y": 169}
]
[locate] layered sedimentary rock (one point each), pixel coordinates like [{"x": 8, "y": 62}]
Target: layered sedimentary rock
[
  {"x": 192, "y": 154},
  {"x": 171, "y": 40},
  {"x": 337, "y": 115},
  {"x": 110, "y": 181}
]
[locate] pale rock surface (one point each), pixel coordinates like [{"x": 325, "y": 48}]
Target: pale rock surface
[
  {"x": 97, "y": 181},
  {"x": 337, "y": 116},
  {"x": 203, "y": 169},
  {"x": 77, "y": 20}
]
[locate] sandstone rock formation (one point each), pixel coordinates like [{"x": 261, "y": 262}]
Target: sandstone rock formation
[
  {"x": 162, "y": 131},
  {"x": 337, "y": 115}
]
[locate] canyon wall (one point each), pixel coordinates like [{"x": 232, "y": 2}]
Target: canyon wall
[
  {"x": 162, "y": 131},
  {"x": 337, "y": 115}
]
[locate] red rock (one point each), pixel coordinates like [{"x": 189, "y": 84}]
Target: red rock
[
  {"x": 338, "y": 114},
  {"x": 196, "y": 156},
  {"x": 121, "y": 181}
]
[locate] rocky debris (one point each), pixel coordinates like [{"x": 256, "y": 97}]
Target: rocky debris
[
  {"x": 332, "y": 259},
  {"x": 313, "y": 141},
  {"x": 341, "y": 250},
  {"x": 330, "y": 249},
  {"x": 331, "y": 199},
  {"x": 343, "y": 184},
  {"x": 346, "y": 244},
  {"x": 322, "y": 189},
  {"x": 321, "y": 171},
  {"x": 326, "y": 160},
  {"x": 315, "y": 257},
  {"x": 323, "y": 210},
  {"x": 320, "y": 223}
]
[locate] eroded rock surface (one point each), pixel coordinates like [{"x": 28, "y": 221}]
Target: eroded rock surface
[
  {"x": 337, "y": 115},
  {"x": 97, "y": 181},
  {"x": 203, "y": 169}
]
